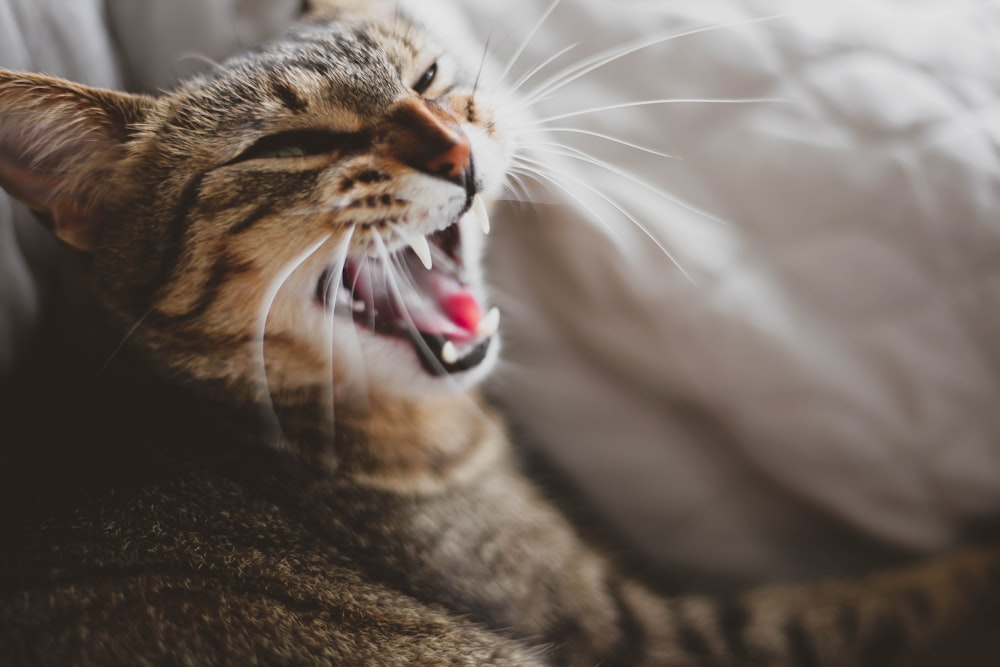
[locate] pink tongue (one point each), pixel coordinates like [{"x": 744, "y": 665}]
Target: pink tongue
[
  {"x": 462, "y": 309},
  {"x": 452, "y": 302}
]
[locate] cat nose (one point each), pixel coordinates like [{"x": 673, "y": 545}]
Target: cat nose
[
  {"x": 453, "y": 161},
  {"x": 426, "y": 138}
]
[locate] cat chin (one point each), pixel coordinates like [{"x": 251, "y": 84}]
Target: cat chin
[{"x": 368, "y": 363}]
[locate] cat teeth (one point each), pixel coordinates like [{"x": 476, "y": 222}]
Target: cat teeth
[
  {"x": 490, "y": 324},
  {"x": 482, "y": 215},
  {"x": 449, "y": 354},
  {"x": 358, "y": 306},
  {"x": 422, "y": 250}
]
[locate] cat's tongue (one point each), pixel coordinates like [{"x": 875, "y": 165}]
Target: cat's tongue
[
  {"x": 431, "y": 300},
  {"x": 440, "y": 305}
]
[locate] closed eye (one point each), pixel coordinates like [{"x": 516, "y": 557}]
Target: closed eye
[{"x": 299, "y": 143}]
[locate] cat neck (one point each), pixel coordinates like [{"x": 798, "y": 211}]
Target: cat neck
[{"x": 421, "y": 446}]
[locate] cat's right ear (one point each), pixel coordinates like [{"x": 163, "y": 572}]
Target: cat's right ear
[{"x": 59, "y": 143}]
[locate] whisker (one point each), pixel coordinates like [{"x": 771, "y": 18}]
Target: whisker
[
  {"x": 128, "y": 334},
  {"x": 199, "y": 58},
  {"x": 537, "y": 68},
  {"x": 513, "y": 182},
  {"x": 539, "y": 170},
  {"x": 482, "y": 63},
  {"x": 527, "y": 40},
  {"x": 666, "y": 101},
  {"x": 599, "y": 135},
  {"x": 327, "y": 209},
  {"x": 576, "y": 154},
  {"x": 331, "y": 293},
  {"x": 261, "y": 329},
  {"x": 365, "y": 381},
  {"x": 608, "y": 56},
  {"x": 546, "y": 180}
]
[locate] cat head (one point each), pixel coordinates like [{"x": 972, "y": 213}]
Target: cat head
[{"x": 307, "y": 215}]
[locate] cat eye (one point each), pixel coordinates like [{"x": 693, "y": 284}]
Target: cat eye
[
  {"x": 426, "y": 79},
  {"x": 294, "y": 144}
]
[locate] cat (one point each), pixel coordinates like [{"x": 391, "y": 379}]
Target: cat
[{"x": 263, "y": 440}]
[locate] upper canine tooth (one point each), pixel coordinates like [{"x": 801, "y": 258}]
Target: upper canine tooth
[
  {"x": 489, "y": 324},
  {"x": 479, "y": 209},
  {"x": 422, "y": 250}
]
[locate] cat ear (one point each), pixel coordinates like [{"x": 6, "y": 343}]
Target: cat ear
[{"x": 59, "y": 142}]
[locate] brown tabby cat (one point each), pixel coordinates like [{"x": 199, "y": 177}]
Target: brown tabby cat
[{"x": 283, "y": 462}]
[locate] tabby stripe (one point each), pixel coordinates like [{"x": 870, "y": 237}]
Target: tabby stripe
[
  {"x": 801, "y": 650},
  {"x": 693, "y": 642},
  {"x": 176, "y": 231},
  {"x": 733, "y": 618},
  {"x": 631, "y": 645},
  {"x": 248, "y": 222},
  {"x": 222, "y": 270},
  {"x": 289, "y": 97},
  {"x": 883, "y": 644},
  {"x": 314, "y": 66}
]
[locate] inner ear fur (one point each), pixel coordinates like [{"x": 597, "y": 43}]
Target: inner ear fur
[{"x": 59, "y": 143}]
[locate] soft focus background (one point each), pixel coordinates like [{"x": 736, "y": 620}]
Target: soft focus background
[{"x": 811, "y": 384}]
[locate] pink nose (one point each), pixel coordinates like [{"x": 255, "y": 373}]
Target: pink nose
[
  {"x": 453, "y": 161},
  {"x": 426, "y": 137}
]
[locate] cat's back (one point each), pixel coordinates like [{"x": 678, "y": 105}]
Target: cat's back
[{"x": 146, "y": 540}]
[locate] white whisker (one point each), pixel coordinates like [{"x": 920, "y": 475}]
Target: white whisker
[
  {"x": 540, "y": 168},
  {"x": 666, "y": 101},
  {"x": 599, "y": 135},
  {"x": 527, "y": 40},
  {"x": 261, "y": 330},
  {"x": 547, "y": 180},
  {"x": 512, "y": 183},
  {"x": 576, "y": 154},
  {"x": 537, "y": 68},
  {"x": 331, "y": 293},
  {"x": 608, "y": 56}
]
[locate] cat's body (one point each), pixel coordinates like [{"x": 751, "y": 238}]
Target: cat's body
[{"x": 269, "y": 472}]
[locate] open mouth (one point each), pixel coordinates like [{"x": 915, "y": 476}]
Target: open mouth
[{"x": 420, "y": 293}]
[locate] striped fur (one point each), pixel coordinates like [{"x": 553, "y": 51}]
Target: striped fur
[{"x": 233, "y": 490}]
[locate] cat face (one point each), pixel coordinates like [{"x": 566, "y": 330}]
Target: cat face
[{"x": 307, "y": 215}]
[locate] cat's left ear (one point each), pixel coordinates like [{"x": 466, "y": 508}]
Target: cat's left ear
[{"x": 59, "y": 143}]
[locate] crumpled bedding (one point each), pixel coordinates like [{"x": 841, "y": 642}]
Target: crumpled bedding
[
  {"x": 820, "y": 394},
  {"x": 808, "y": 384}
]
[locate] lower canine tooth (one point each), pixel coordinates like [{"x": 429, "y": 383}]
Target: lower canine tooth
[
  {"x": 489, "y": 324},
  {"x": 449, "y": 354},
  {"x": 479, "y": 209}
]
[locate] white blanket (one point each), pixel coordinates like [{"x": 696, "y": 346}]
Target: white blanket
[{"x": 822, "y": 389}]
